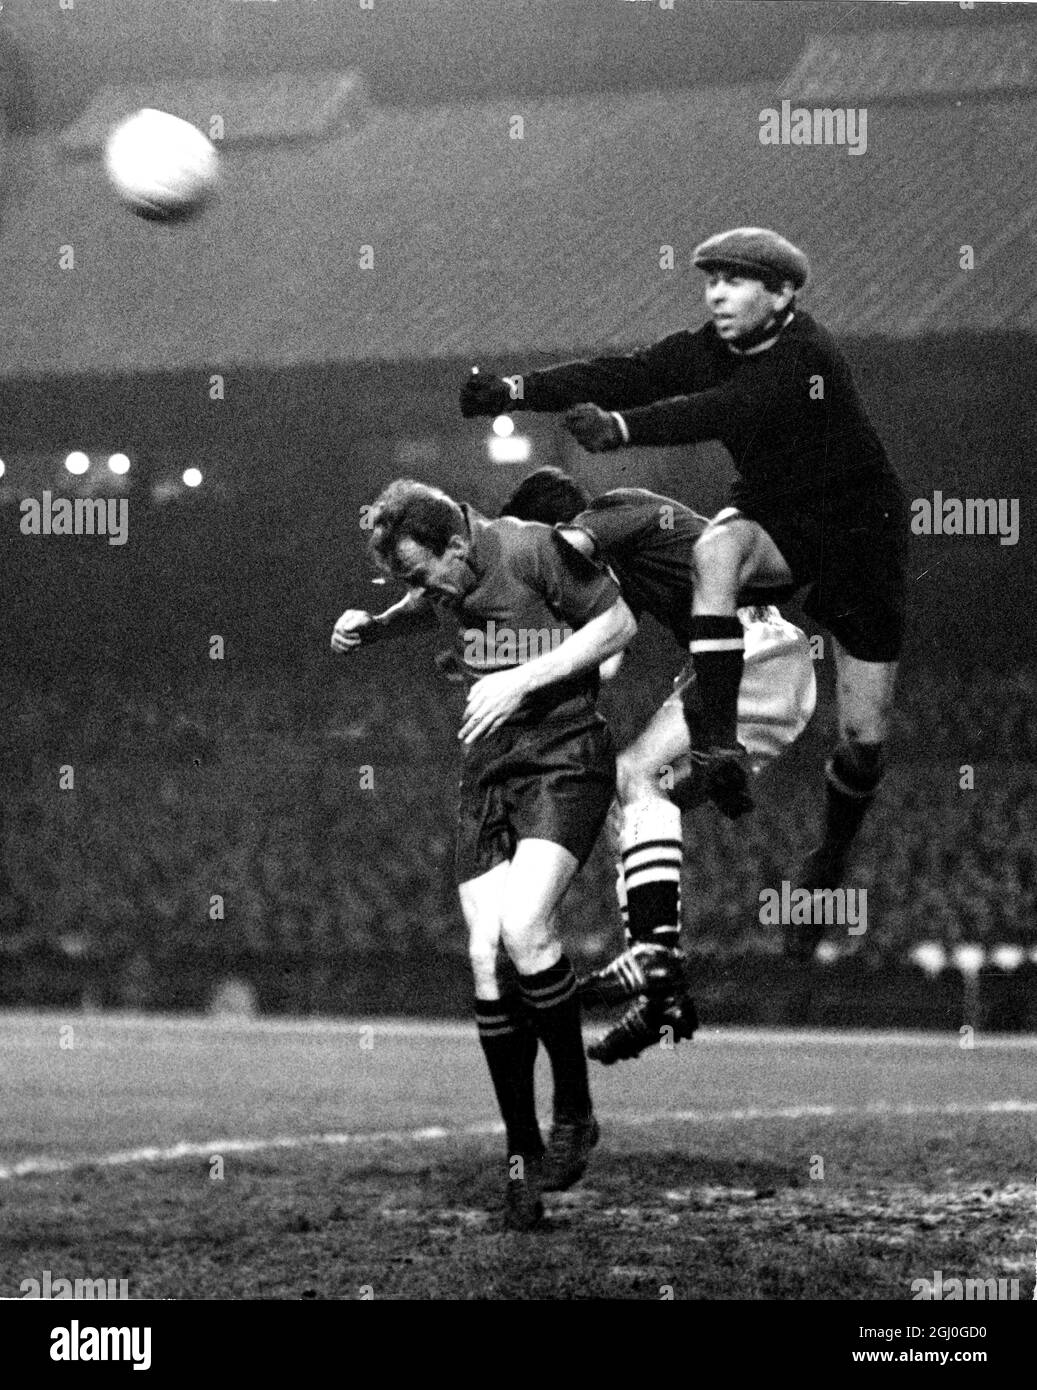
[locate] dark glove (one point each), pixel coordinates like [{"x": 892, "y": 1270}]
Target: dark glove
[
  {"x": 484, "y": 395},
  {"x": 594, "y": 428}
]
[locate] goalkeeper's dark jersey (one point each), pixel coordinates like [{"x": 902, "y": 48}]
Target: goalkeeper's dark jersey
[{"x": 789, "y": 415}]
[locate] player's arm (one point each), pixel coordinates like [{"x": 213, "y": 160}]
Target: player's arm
[
  {"x": 677, "y": 420},
  {"x": 778, "y": 379},
  {"x": 586, "y": 648},
  {"x": 584, "y": 542},
  {"x": 496, "y": 697},
  {"x": 612, "y": 382},
  {"x": 357, "y": 627}
]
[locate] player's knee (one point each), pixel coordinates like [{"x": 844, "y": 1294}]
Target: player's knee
[
  {"x": 528, "y": 941},
  {"x": 723, "y": 542},
  {"x": 865, "y": 725},
  {"x": 858, "y": 765},
  {"x": 635, "y": 779},
  {"x": 718, "y": 554},
  {"x": 865, "y": 696}
]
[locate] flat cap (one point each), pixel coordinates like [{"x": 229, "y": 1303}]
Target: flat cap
[{"x": 754, "y": 249}]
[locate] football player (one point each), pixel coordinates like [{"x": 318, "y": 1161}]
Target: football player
[
  {"x": 648, "y": 544},
  {"x": 533, "y": 621}
]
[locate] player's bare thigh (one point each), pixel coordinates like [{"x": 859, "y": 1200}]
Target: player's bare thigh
[
  {"x": 661, "y": 745},
  {"x": 539, "y": 876},
  {"x": 864, "y": 694},
  {"x": 731, "y": 553}
]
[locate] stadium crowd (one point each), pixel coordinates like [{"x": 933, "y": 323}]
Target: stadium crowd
[{"x": 259, "y": 819}]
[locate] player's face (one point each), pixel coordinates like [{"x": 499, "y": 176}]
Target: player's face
[
  {"x": 440, "y": 576},
  {"x": 739, "y": 304}
]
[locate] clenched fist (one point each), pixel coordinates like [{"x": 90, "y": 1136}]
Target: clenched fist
[
  {"x": 594, "y": 428},
  {"x": 355, "y": 628}
]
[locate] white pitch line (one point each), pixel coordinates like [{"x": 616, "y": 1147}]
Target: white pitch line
[
  {"x": 465, "y": 1032},
  {"x": 32, "y": 1167}
]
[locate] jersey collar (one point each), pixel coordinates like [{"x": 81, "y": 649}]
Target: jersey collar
[{"x": 772, "y": 336}]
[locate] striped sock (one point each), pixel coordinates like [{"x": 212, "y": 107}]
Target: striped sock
[
  {"x": 718, "y": 654},
  {"x": 652, "y": 850},
  {"x": 510, "y": 1048},
  {"x": 554, "y": 1009}
]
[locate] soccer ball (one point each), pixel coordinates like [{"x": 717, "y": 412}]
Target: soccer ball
[{"x": 163, "y": 168}]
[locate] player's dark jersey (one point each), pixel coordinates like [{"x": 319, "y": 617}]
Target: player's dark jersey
[
  {"x": 648, "y": 542},
  {"x": 789, "y": 415},
  {"x": 532, "y": 591}
]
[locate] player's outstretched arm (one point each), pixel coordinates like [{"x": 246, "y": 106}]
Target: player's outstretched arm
[
  {"x": 496, "y": 697},
  {"x": 358, "y": 628},
  {"x": 613, "y": 382}
]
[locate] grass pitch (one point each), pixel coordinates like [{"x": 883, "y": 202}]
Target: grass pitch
[{"x": 202, "y": 1159}]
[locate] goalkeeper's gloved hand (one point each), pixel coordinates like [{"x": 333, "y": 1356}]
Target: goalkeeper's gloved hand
[
  {"x": 484, "y": 395},
  {"x": 596, "y": 429}
]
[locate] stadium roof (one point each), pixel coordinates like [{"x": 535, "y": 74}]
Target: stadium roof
[
  {"x": 916, "y": 62},
  {"x": 487, "y": 245}
]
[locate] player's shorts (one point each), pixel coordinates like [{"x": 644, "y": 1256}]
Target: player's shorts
[
  {"x": 852, "y": 553},
  {"x": 553, "y": 780},
  {"x": 778, "y": 692}
]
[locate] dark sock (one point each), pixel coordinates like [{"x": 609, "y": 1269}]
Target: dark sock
[
  {"x": 510, "y": 1046},
  {"x": 554, "y": 1010},
  {"x": 852, "y": 778},
  {"x": 718, "y": 655},
  {"x": 654, "y": 914}
]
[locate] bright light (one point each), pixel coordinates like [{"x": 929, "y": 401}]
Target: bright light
[
  {"x": 511, "y": 450},
  {"x": 968, "y": 958},
  {"x": 931, "y": 956},
  {"x": 3, "y": 468},
  {"x": 503, "y": 426},
  {"x": 77, "y": 462},
  {"x": 1008, "y": 957},
  {"x": 192, "y": 477},
  {"x": 119, "y": 463}
]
